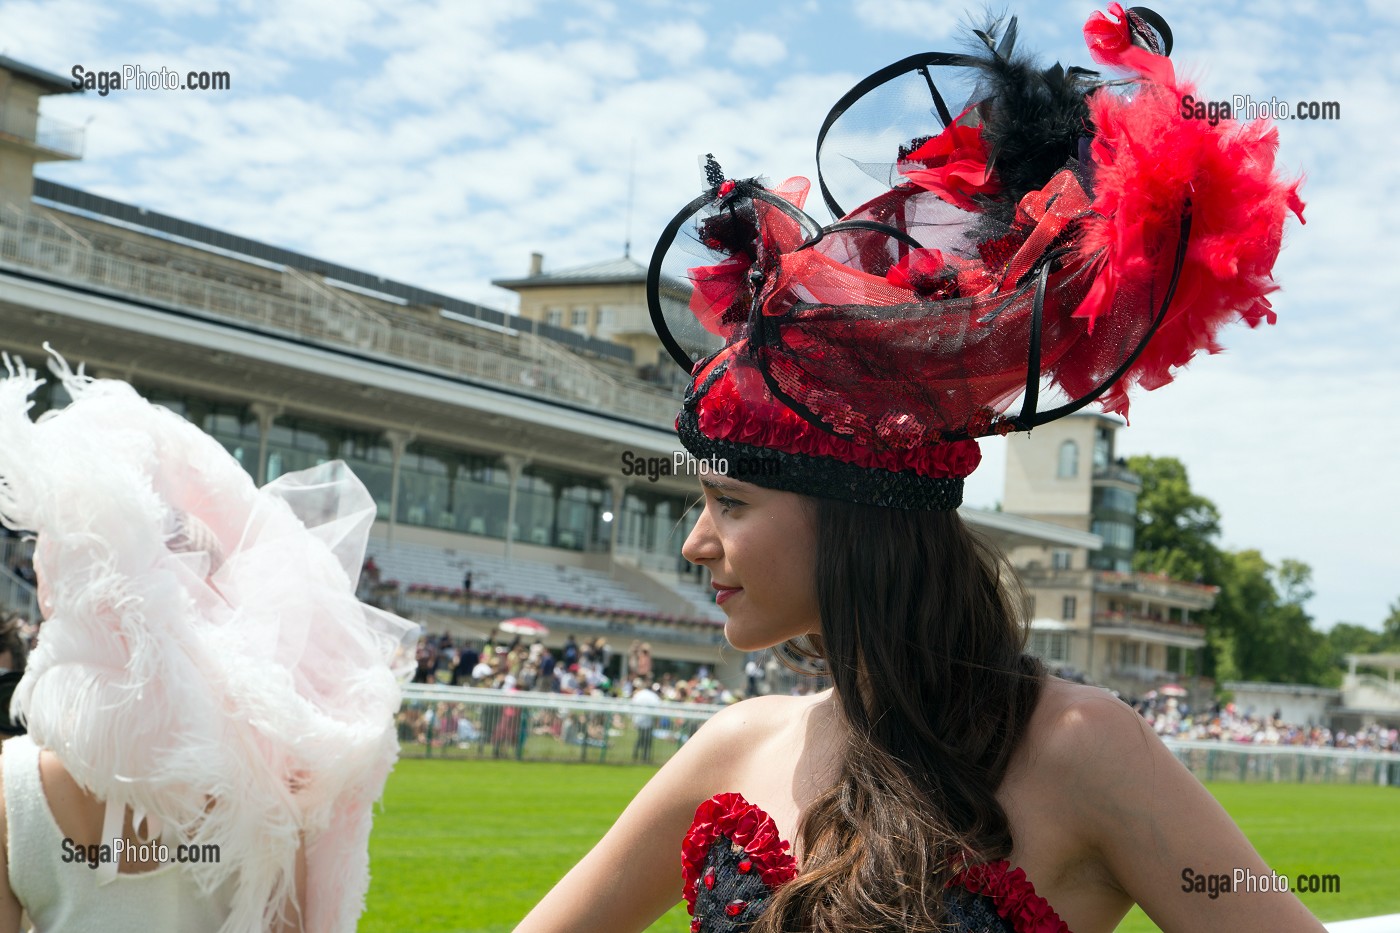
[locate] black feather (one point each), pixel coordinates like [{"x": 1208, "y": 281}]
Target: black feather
[{"x": 1032, "y": 117}]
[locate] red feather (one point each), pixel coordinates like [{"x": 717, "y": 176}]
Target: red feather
[{"x": 1149, "y": 160}]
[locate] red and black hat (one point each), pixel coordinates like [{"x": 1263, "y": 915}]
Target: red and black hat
[{"x": 1055, "y": 240}]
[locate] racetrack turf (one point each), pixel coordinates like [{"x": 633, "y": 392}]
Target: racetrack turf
[{"x": 473, "y": 845}]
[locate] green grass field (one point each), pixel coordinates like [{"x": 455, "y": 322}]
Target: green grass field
[{"x": 472, "y": 845}]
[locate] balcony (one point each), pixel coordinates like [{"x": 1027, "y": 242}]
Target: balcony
[
  {"x": 1194, "y": 596},
  {"x": 1117, "y": 474},
  {"x": 55, "y": 139},
  {"x": 1155, "y": 629}
]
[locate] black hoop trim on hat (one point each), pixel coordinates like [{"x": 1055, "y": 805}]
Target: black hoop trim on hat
[
  {"x": 1155, "y": 20},
  {"x": 1183, "y": 241},
  {"x": 917, "y": 63},
  {"x": 822, "y": 477},
  {"x": 749, "y": 190},
  {"x": 1033, "y": 362}
]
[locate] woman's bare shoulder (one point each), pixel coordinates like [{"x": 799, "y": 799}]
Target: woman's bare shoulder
[
  {"x": 1072, "y": 720},
  {"x": 747, "y": 727}
]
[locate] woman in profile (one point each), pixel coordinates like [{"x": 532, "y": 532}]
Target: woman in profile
[
  {"x": 1056, "y": 242},
  {"x": 206, "y": 687}
]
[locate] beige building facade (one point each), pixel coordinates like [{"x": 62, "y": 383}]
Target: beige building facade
[
  {"x": 26, "y": 136},
  {"x": 1090, "y": 611}
]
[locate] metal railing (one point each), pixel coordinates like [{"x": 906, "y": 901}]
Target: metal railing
[
  {"x": 472, "y": 723},
  {"x": 1117, "y": 473},
  {"x": 1199, "y": 595},
  {"x": 1133, "y": 620},
  {"x": 439, "y": 721},
  {"x": 1372, "y": 682},
  {"x": 43, "y": 131},
  {"x": 322, "y": 316},
  {"x": 1291, "y": 764}
]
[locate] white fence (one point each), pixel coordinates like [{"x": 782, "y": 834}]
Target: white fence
[
  {"x": 467, "y": 722},
  {"x": 1225, "y": 761}
]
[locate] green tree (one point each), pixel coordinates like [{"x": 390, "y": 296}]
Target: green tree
[
  {"x": 1390, "y": 629},
  {"x": 1175, "y": 536},
  {"x": 1259, "y": 628},
  {"x": 1261, "y": 607},
  {"x": 1176, "y": 528}
]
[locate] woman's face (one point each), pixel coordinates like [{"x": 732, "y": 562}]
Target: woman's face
[{"x": 760, "y": 548}]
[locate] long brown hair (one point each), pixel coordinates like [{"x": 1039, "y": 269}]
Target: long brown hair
[{"x": 923, "y": 635}]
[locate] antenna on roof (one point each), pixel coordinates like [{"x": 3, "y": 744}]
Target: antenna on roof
[{"x": 631, "y": 184}]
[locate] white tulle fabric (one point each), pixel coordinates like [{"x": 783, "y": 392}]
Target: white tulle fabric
[{"x": 204, "y": 659}]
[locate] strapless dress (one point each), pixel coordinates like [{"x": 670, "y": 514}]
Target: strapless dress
[{"x": 734, "y": 860}]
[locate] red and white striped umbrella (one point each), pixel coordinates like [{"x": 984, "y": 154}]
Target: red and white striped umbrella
[{"x": 526, "y": 628}]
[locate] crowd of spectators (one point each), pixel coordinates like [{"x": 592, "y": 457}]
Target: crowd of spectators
[
  {"x": 585, "y": 668},
  {"x": 1173, "y": 718}
]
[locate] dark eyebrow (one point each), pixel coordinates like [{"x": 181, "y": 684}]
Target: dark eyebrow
[{"x": 717, "y": 485}]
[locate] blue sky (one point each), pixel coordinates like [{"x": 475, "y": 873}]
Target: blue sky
[{"x": 441, "y": 143}]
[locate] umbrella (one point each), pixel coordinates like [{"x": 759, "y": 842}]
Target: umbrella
[
  {"x": 524, "y": 627},
  {"x": 1172, "y": 690}
]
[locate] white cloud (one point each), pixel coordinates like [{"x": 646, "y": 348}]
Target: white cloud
[
  {"x": 54, "y": 35},
  {"x": 760, "y": 49},
  {"x": 678, "y": 43},
  {"x": 317, "y": 29},
  {"x": 929, "y": 19}
]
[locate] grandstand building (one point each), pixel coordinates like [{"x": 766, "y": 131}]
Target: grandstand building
[
  {"x": 495, "y": 444},
  {"x": 1131, "y": 631}
]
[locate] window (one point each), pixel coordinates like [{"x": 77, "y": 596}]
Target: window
[
  {"x": 554, "y": 317},
  {"x": 1050, "y": 646},
  {"x": 1113, "y": 499},
  {"x": 1115, "y": 534},
  {"x": 1068, "y": 608},
  {"x": 1061, "y": 559},
  {"x": 1069, "y": 460},
  {"x": 1103, "y": 448},
  {"x": 578, "y": 320}
]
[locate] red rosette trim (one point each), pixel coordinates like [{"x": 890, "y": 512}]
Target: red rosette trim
[
  {"x": 953, "y": 165},
  {"x": 748, "y": 414},
  {"x": 1013, "y": 895},
  {"x": 745, "y": 825}
]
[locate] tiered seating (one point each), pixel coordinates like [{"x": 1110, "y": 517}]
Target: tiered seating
[
  {"x": 702, "y": 597},
  {"x": 437, "y": 573}
]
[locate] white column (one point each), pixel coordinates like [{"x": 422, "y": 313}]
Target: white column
[
  {"x": 515, "y": 464},
  {"x": 398, "y": 440},
  {"x": 617, "y": 489},
  {"x": 267, "y": 413}
]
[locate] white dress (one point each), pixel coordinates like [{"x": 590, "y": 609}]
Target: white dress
[{"x": 61, "y": 895}]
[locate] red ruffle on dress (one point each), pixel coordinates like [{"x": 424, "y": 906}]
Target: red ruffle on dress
[{"x": 733, "y": 860}]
